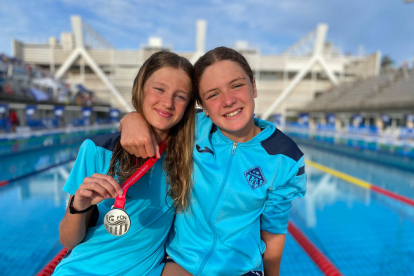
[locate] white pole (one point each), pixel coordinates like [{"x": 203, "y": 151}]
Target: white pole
[
  {"x": 298, "y": 77},
  {"x": 68, "y": 62},
  {"x": 105, "y": 80}
]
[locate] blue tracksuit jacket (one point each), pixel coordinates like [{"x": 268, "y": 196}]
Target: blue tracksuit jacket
[{"x": 240, "y": 189}]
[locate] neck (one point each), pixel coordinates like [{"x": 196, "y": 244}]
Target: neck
[
  {"x": 160, "y": 135},
  {"x": 244, "y": 135}
]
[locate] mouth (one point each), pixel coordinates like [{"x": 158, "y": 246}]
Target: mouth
[
  {"x": 163, "y": 113},
  {"x": 233, "y": 113}
]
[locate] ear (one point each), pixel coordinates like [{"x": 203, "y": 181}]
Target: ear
[
  {"x": 254, "y": 89},
  {"x": 205, "y": 110}
]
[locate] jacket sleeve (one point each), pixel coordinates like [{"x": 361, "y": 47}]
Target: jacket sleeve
[
  {"x": 86, "y": 165},
  {"x": 275, "y": 216}
]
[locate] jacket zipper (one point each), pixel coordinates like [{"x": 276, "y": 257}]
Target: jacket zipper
[{"x": 233, "y": 151}]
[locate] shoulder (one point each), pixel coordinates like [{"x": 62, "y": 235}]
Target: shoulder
[
  {"x": 204, "y": 125},
  {"x": 280, "y": 143},
  {"x": 200, "y": 115},
  {"x": 106, "y": 141}
]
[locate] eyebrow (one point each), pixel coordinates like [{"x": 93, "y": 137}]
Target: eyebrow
[
  {"x": 158, "y": 83},
  {"x": 236, "y": 79},
  {"x": 163, "y": 84}
]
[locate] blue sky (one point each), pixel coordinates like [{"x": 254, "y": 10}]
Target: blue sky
[{"x": 272, "y": 25}]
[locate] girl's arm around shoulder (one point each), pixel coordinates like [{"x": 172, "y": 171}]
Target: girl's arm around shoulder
[{"x": 137, "y": 136}]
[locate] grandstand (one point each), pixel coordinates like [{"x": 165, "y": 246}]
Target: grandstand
[
  {"x": 390, "y": 94},
  {"x": 285, "y": 81}
]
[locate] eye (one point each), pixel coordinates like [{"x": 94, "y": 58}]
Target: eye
[
  {"x": 181, "y": 97},
  {"x": 212, "y": 95},
  {"x": 159, "y": 89},
  {"x": 238, "y": 85}
]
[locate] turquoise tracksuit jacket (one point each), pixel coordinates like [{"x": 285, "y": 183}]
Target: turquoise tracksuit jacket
[{"x": 240, "y": 189}]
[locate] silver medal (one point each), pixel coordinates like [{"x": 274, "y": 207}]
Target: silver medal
[{"x": 117, "y": 222}]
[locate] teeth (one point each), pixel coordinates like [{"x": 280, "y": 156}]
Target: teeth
[{"x": 233, "y": 113}]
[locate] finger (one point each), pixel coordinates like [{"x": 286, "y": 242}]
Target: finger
[
  {"x": 149, "y": 142},
  {"x": 94, "y": 197},
  {"x": 135, "y": 151},
  {"x": 117, "y": 188},
  {"x": 129, "y": 149},
  {"x": 86, "y": 193},
  {"x": 157, "y": 151},
  {"x": 108, "y": 183},
  {"x": 155, "y": 146},
  {"x": 97, "y": 188},
  {"x": 125, "y": 144},
  {"x": 142, "y": 152},
  {"x": 83, "y": 199},
  {"x": 121, "y": 122},
  {"x": 149, "y": 147}
]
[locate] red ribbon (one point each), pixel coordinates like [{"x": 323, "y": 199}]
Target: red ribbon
[{"x": 120, "y": 199}]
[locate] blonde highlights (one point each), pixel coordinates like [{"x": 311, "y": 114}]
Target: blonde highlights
[{"x": 178, "y": 161}]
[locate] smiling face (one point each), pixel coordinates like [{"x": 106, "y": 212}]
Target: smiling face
[
  {"x": 227, "y": 96},
  {"x": 166, "y": 95}
]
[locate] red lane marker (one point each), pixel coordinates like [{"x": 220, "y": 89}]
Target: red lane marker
[
  {"x": 3, "y": 182},
  {"x": 392, "y": 194},
  {"x": 50, "y": 267},
  {"x": 324, "y": 264}
]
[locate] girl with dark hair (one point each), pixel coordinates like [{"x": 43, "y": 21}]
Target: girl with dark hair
[
  {"x": 247, "y": 172},
  {"x": 104, "y": 244}
]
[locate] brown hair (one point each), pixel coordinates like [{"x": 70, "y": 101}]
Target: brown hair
[
  {"x": 216, "y": 55},
  {"x": 178, "y": 161}
]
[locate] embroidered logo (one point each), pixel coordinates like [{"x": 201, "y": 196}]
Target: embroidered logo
[
  {"x": 255, "y": 177},
  {"x": 206, "y": 149}
]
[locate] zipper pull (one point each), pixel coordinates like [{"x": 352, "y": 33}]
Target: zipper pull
[{"x": 233, "y": 150}]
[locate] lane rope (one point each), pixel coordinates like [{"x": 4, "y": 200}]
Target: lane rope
[
  {"x": 50, "y": 267},
  {"x": 321, "y": 261},
  {"x": 360, "y": 182}
]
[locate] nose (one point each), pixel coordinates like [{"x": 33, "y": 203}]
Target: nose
[
  {"x": 168, "y": 101},
  {"x": 228, "y": 99}
]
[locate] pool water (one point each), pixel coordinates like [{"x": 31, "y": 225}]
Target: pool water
[{"x": 360, "y": 231}]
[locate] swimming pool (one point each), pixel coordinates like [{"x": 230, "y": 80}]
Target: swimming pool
[{"x": 360, "y": 231}]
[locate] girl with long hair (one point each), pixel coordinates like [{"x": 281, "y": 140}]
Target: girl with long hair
[
  {"x": 162, "y": 94},
  {"x": 247, "y": 172}
]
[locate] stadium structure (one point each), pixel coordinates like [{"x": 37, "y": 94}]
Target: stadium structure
[
  {"x": 385, "y": 102},
  {"x": 286, "y": 81}
]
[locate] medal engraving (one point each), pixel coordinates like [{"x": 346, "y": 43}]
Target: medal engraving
[{"x": 117, "y": 222}]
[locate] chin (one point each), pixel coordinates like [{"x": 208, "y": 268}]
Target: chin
[
  {"x": 235, "y": 125},
  {"x": 162, "y": 127}
]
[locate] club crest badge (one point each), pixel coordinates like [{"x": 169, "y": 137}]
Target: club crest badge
[{"x": 255, "y": 177}]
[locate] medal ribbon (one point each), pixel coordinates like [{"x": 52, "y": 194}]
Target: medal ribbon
[{"x": 120, "y": 199}]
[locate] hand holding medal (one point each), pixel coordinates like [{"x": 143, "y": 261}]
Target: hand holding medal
[
  {"x": 117, "y": 221},
  {"x": 94, "y": 190}
]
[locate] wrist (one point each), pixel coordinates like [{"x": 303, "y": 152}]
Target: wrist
[
  {"x": 76, "y": 208},
  {"x": 79, "y": 204}
]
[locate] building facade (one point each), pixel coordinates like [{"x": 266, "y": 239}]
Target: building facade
[{"x": 285, "y": 81}]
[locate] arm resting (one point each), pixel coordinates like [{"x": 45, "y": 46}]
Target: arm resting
[
  {"x": 72, "y": 228},
  {"x": 273, "y": 254}
]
